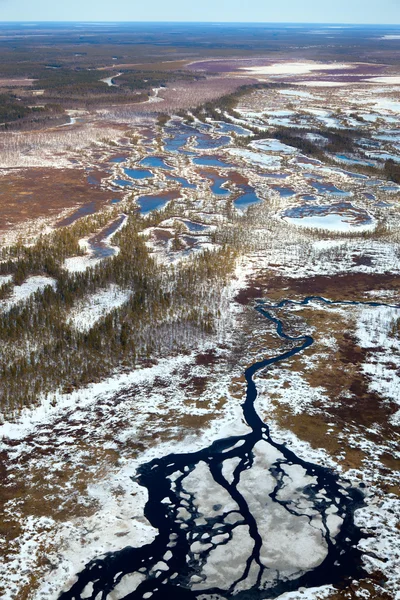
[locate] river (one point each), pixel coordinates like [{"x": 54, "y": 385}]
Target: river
[{"x": 298, "y": 516}]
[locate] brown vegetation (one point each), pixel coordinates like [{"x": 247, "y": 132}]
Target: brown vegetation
[{"x": 33, "y": 193}]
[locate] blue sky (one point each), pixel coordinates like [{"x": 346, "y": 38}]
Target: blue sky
[{"x": 319, "y": 11}]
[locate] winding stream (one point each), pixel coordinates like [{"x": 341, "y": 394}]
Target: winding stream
[{"x": 245, "y": 517}]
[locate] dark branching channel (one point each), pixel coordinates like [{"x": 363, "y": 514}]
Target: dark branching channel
[{"x": 245, "y": 517}]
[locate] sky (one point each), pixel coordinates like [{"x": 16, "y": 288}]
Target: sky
[{"x": 267, "y": 11}]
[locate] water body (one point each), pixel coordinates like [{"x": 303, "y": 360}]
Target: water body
[
  {"x": 195, "y": 227},
  {"x": 155, "y": 161},
  {"x": 98, "y": 243},
  {"x": 83, "y": 211},
  {"x": 247, "y": 198},
  {"x": 284, "y": 192},
  {"x": 118, "y": 159},
  {"x": 92, "y": 181},
  {"x": 178, "y": 136},
  {"x": 341, "y": 216},
  {"x": 184, "y": 182},
  {"x": 217, "y": 184},
  {"x": 122, "y": 182},
  {"x": 154, "y": 202},
  {"x": 184, "y": 572},
  {"x": 207, "y": 142},
  {"x": 212, "y": 161},
  {"x": 329, "y": 188},
  {"x": 138, "y": 173},
  {"x": 353, "y": 160},
  {"x": 390, "y": 188},
  {"x": 231, "y": 128}
]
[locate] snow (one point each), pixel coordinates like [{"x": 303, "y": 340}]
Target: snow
[
  {"x": 258, "y": 159},
  {"x": 387, "y": 104},
  {"x": 272, "y": 145},
  {"x": 21, "y": 293},
  {"x": 393, "y": 79},
  {"x": 5, "y": 279},
  {"x": 92, "y": 308},
  {"x": 295, "y": 68},
  {"x": 109, "y": 80},
  {"x": 297, "y": 93},
  {"x": 319, "y": 83},
  {"x": 319, "y": 593},
  {"x": 331, "y": 222},
  {"x": 374, "y": 331}
]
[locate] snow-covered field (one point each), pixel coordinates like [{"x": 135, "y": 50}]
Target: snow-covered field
[
  {"x": 88, "y": 311},
  {"x": 20, "y": 293}
]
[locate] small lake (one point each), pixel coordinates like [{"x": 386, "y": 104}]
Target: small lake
[
  {"x": 180, "y": 135},
  {"x": 206, "y": 142},
  {"x": 122, "y": 182},
  {"x": 195, "y": 227},
  {"x": 284, "y": 192},
  {"x": 247, "y": 198},
  {"x": 231, "y": 128},
  {"x": 138, "y": 173},
  {"x": 353, "y": 160},
  {"x": 156, "y": 162},
  {"x": 155, "y": 202},
  {"x": 217, "y": 184},
  {"x": 184, "y": 182},
  {"x": 211, "y": 161},
  {"x": 341, "y": 216},
  {"x": 329, "y": 188}
]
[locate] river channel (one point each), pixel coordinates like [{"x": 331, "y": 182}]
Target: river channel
[{"x": 245, "y": 517}]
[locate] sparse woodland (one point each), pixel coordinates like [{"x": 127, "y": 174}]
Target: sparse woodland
[{"x": 168, "y": 310}]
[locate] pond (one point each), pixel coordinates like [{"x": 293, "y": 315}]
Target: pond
[
  {"x": 341, "y": 216},
  {"x": 247, "y": 198},
  {"x": 192, "y": 226},
  {"x": 184, "y": 182},
  {"x": 211, "y": 161},
  {"x": 217, "y": 185},
  {"x": 155, "y": 161},
  {"x": 329, "y": 188},
  {"x": 206, "y": 142},
  {"x": 138, "y": 173},
  {"x": 353, "y": 160},
  {"x": 231, "y": 128},
  {"x": 155, "y": 202},
  {"x": 284, "y": 192}
]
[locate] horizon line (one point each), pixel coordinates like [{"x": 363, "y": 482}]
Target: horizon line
[{"x": 94, "y": 22}]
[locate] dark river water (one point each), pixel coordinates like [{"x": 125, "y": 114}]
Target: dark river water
[{"x": 167, "y": 480}]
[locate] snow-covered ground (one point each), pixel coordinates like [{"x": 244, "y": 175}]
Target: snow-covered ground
[
  {"x": 92, "y": 308},
  {"x": 296, "y": 68},
  {"x": 21, "y": 293}
]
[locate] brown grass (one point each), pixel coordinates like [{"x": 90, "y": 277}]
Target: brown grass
[{"x": 37, "y": 192}]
